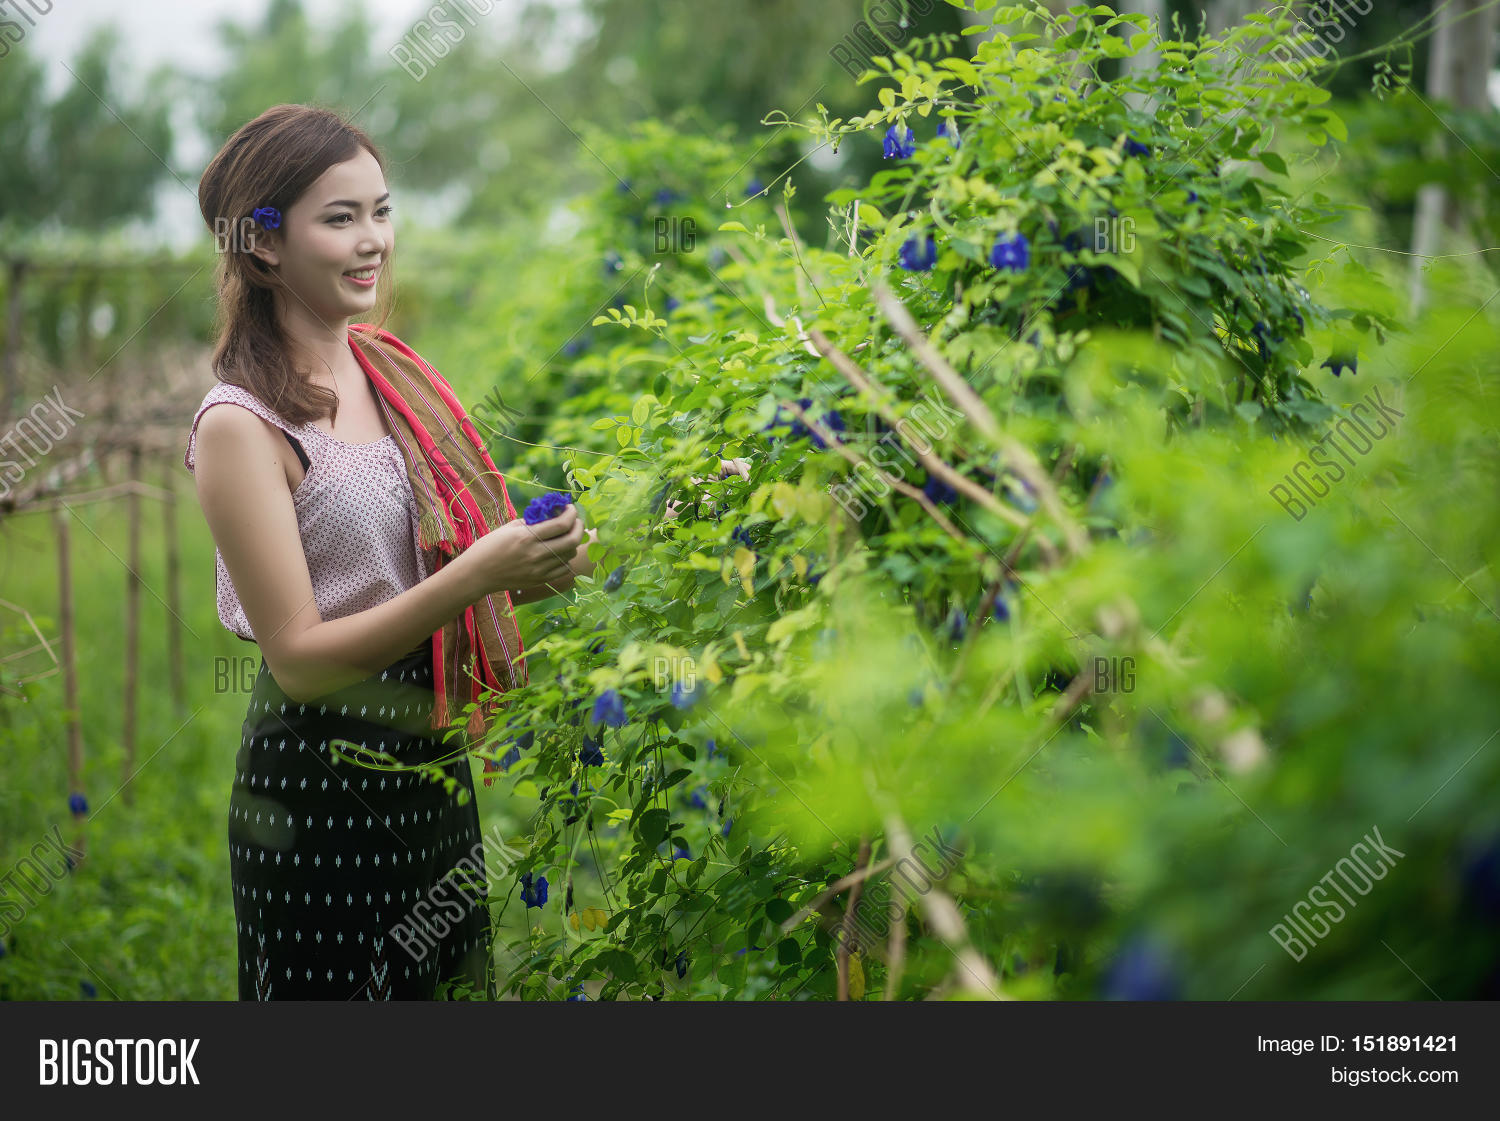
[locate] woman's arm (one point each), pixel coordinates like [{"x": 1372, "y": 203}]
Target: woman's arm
[{"x": 242, "y": 488}]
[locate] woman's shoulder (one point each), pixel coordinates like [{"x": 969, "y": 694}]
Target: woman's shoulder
[{"x": 224, "y": 392}]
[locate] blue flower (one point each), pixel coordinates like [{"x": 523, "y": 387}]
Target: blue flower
[
  {"x": 728, "y": 825},
  {"x": 88, "y": 989},
  {"x": 696, "y": 800},
  {"x": 915, "y": 697},
  {"x": 897, "y": 149},
  {"x": 546, "y": 507},
  {"x": 916, "y": 256},
  {"x": 267, "y": 216},
  {"x": 939, "y": 491},
  {"x": 664, "y": 195},
  {"x": 682, "y": 964},
  {"x": 1192, "y": 196},
  {"x": 830, "y": 419},
  {"x": 613, "y": 581},
  {"x": 681, "y": 853},
  {"x": 1002, "y": 610},
  {"x": 672, "y": 304},
  {"x": 1141, "y": 971},
  {"x": 711, "y": 748},
  {"x": 576, "y": 994},
  {"x": 590, "y": 754},
  {"x": 575, "y": 346},
  {"x": 684, "y": 698},
  {"x": 533, "y": 894},
  {"x": 1012, "y": 253},
  {"x": 613, "y": 262},
  {"x": 754, "y": 187},
  {"x": 609, "y": 708},
  {"x": 1134, "y": 147},
  {"x": 78, "y": 804},
  {"x": 622, "y": 185},
  {"x": 945, "y": 129},
  {"x": 1337, "y": 364},
  {"x": 957, "y": 623}
]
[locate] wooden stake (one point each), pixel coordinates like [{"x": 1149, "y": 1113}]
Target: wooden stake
[
  {"x": 132, "y": 624},
  {"x": 174, "y": 613},
  {"x": 71, "y": 715}
]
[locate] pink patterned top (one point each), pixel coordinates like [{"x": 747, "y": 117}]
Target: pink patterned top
[{"x": 356, "y": 515}]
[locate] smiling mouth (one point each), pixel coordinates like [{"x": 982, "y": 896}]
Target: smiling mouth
[{"x": 363, "y": 274}]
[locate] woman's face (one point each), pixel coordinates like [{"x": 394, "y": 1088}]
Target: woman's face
[{"x": 339, "y": 226}]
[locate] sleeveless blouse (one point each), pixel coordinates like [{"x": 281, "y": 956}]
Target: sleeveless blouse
[{"x": 356, "y": 514}]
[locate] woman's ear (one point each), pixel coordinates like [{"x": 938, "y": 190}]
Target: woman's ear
[{"x": 264, "y": 244}]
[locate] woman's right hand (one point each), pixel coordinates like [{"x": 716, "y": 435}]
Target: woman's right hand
[{"x": 517, "y": 555}]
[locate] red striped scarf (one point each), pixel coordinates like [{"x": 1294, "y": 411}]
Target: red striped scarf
[{"x": 461, "y": 495}]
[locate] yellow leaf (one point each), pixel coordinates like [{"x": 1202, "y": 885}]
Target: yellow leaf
[
  {"x": 573, "y": 921},
  {"x": 739, "y": 640},
  {"x": 744, "y": 562},
  {"x": 856, "y": 978},
  {"x": 799, "y": 565},
  {"x": 712, "y": 671}
]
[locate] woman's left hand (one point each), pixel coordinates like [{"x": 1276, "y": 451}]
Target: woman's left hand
[{"x": 727, "y": 467}]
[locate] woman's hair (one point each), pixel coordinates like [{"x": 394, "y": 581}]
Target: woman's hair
[{"x": 270, "y": 161}]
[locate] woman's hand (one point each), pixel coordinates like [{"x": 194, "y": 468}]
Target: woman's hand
[{"x": 517, "y": 555}]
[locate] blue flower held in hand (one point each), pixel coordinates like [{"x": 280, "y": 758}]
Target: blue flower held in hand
[
  {"x": 546, "y": 507},
  {"x": 609, "y": 708},
  {"x": 1013, "y": 253},
  {"x": 916, "y": 256},
  {"x": 896, "y": 148},
  {"x": 268, "y": 216}
]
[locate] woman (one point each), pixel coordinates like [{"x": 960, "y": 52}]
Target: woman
[{"x": 364, "y": 545}]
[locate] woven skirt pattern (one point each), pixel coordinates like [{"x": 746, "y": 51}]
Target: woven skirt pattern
[{"x": 351, "y": 881}]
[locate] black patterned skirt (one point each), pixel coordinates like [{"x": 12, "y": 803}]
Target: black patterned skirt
[{"x": 353, "y": 880}]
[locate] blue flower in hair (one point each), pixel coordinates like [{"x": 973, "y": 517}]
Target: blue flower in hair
[{"x": 267, "y": 216}]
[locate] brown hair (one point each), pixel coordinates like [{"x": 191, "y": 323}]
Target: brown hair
[{"x": 270, "y": 161}]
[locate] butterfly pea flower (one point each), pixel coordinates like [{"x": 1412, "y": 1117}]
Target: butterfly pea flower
[
  {"x": 949, "y": 131},
  {"x": 533, "y": 894},
  {"x": 682, "y": 697},
  {"x": 1012, "y": 253},
  {"x": 576, "y": 994},
  {"x": 682, "y": 964},
  {"x": 754, "y": 187},
  {"x": 77, "y": 803},
  {"x": 917, "y": 256},
  {"x": 672, "y": 304},
  {"x": 664, "y": 195},
  {"x": 958, "y": 623},
  {"x": 591, "y": 753},
  {"x": 1337, "y": 364},
  {"x": 681, "y": 853},
  {"x": 1134, "y": 147},
  {"x": 88, "y": 990},
  {"x": 696, "y": 800},
  {"x": 1002, "y": 610},
  {"x": 711, "y": 749},
  {"x": 895, "y": 148},
  {"x": 609, "y": 709},
  {"x": 546, "y": 507},
  {"x": 939, "y": 491}
]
